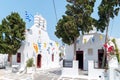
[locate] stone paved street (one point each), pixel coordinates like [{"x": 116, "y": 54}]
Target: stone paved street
[
  {"x": 7, "y": 74},
  {"x": 51, "y": 74}
]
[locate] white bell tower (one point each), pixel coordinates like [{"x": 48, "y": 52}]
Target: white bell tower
[{"x": 39, "y": 21}]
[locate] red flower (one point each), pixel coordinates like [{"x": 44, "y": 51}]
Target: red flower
[
  {"x": 105, "y": 45},
  {"x": 110, "y": 49}
]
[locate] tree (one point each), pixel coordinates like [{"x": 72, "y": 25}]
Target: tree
[
  {"x": 116, "y": 50},
  {"x": 107, "y": 10},
  {"x": 12, "y": 31},
  {"x": 77, "y": 21}
]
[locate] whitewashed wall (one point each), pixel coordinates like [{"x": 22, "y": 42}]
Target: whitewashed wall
[
  {"x": 95, "y": 44},
  {"x": 94, "y": 73},
  {"x": 94, "y": 41},
  {"x": 38, "y": 34},
  {"x": 3, "y": 59},
  {"x": 69, "y": 52}
]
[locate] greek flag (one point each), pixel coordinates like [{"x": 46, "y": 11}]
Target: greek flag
[{"x": 28, "y": 16}]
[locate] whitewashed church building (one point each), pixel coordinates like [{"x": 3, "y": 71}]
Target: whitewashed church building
[
  {"x": 37, "y": 45},
  {"x": 88, "y": 47}
]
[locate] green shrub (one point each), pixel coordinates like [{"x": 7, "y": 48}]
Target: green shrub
[{"x": 30, "y": 62}]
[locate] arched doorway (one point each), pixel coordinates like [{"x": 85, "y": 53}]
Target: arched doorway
[
  {"x": 52, "y": 57},
  {"x": 79, "y": 57},
  {"x": 100, "y": 58},
  {"x": 18, "y": 57},
  {"x": 39, "y": 61}
]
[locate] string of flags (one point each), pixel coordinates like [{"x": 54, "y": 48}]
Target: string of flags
[
  {"x": 48, "y": 47},
  {"x": 85, "y": 40}
]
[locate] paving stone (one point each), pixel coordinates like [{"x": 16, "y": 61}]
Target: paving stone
[{"x": 51, "y": 74}]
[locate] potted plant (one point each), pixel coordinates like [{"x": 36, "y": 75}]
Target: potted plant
[{"x": 29, "y": 65}]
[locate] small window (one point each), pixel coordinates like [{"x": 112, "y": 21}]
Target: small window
[{"x": 90, "y": 51}]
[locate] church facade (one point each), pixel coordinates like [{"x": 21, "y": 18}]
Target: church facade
[
  {"x": 38, "y": 45},
  {"x": 88, "y": 47}
]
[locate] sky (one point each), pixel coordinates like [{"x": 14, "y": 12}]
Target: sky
[{"x": 46, "y": 9}]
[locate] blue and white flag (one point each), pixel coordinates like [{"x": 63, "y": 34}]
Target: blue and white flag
[{"x": 28, "y": 16}]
